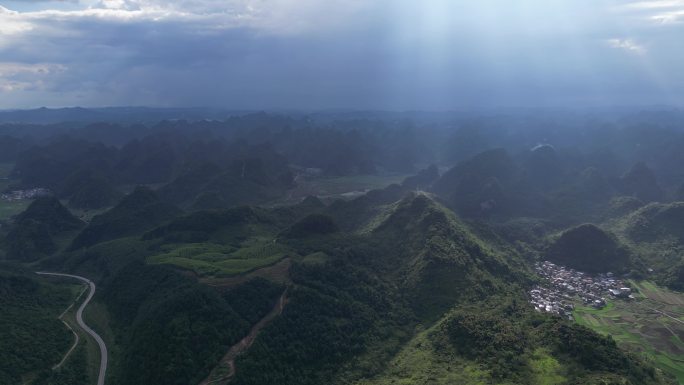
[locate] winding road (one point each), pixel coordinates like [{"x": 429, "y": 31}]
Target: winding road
[{"x": 86, "y": 328}]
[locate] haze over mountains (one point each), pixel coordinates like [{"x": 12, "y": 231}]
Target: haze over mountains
[
  {"x": 346, "y": 247},
  {"x": 343, "y": 192}
]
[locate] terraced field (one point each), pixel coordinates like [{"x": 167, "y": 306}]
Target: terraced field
[{"x": 652, "y": 324}]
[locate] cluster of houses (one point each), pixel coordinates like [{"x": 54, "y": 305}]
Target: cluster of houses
[
  {"x": 25, "y": 194},
  {"x": 565, "y": 286}
]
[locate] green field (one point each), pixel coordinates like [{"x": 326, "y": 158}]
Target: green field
[
  {"x": 346, "y": 187},
  {"x": 9, "y": 209},
  {"x": 652, "y": 325},
  {"x": 210, "y": 259}
]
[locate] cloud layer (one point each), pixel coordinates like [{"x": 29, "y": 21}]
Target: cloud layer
[{"x": 389, "y": 54}]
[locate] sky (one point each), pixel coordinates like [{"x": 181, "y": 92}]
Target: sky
[{"x": 341, "y": 54}]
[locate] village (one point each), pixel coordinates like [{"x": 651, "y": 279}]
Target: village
[
  {"x": 565, "y": 286},
  {"x": 25, "y": 194}
]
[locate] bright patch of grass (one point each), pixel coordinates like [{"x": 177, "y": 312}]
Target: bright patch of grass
[
  {"x": 209, "y": 259},
  {"x": 546, "y": 369},
  {"x": 9, "y": 209},
  {"x": 315, "y": 258},
  {"x": 420, "y": 363}
]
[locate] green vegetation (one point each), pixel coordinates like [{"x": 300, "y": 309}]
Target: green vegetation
[
  {"x": 508, "y": 336},
  {"x": 351, "y": 318},
  {"x": 386, "y": 287},
  {"x": 71, "y": 373},
  {"x": 480, "y": 179},
  {"x": 88, "y": 190},
  {"x": 170, "y": 329},
  {"x": 651, "y": 325},
  {"x": 546, "y": 370},
  {"x": 97, "y": 316},
  {"x": 36, "y": 230},
  {"x": 502, "y": 341},
  {"x": 81, "y": 366},
  {"x": 655, "y": 233},
  {"x": 137, "y": 212},
  {"x": 220, "y": 243},
  {"x": 312, "y": 225},
  {"x": 9, "y": 208},
  {"x": 447, "y": 261},
  {"x": 590, "y": 249},
  {"x": 401, "y": 291},
  {"x": 29, "y": 240},
  {"x": 334, "y": 314},
  {"x": 100, "y": 261},
  {"x": 341, "y": 187},
  {"x": 6, "y": 169},
  {"x": 317, "y": 258},
  {"x": 50, "y": 212},
  {"x": 245, "y": 181},
  {"x": 364, "y": 213},
  {"x": 31, "y": 335},
  {"x": 207, "y": 259},
  {"x": 421, "y": 362},
  {"x": 641, "y": 182}
]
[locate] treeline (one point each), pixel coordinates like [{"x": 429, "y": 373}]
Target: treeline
[
  {"x": 73, "y": 372},
  {"x": 504, "y": 334},
  {"x": 337, "y": 312},
  {"x": 34, "y": 233},
  {"x": 172, "y": 330},
  {"x": 32, "y": 339}
]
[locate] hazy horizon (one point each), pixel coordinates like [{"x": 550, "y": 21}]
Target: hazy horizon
[{"x": 483, "y": 110}]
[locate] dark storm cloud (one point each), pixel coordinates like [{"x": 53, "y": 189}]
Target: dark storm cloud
[{"x": 401, "y": 54}]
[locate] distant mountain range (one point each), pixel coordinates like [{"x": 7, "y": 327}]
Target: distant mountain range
[
  {"x": 45, "y": 115},
  {"x": 128, "y": 114}
]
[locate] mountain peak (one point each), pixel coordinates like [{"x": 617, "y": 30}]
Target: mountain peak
[{"x": 50, "y": 212}]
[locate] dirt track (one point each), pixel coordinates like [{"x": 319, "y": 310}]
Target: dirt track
[{"x": 228, "y": 361}]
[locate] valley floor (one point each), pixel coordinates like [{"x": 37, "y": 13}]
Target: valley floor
[{"x": 652, "y": 324}]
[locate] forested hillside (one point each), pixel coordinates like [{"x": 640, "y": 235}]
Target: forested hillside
[
  {"x": 32, "y": 339},
  {"x": 344, "y": 249}
]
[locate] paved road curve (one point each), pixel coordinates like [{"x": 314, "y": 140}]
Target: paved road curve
[{"x": 79, "y": 320}]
